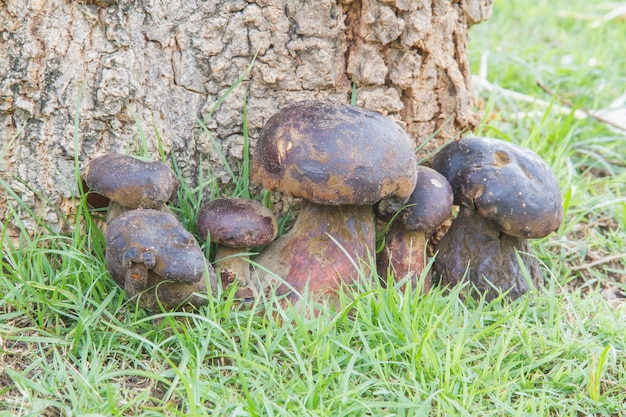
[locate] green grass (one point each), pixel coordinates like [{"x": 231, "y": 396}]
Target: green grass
[{"x": 72, "y": 345}]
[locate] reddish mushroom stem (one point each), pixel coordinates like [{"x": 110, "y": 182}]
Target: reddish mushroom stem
[
  {"x": 325, "y": 248},
  {"x": 232, "y": 265},
  {"x": 404, "y": 255}
]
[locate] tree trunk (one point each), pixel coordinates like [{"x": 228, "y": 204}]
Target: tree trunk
[{"x": 156, "y": 66}]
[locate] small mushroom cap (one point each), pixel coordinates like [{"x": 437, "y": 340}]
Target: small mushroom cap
[
  {"x": 237, "y": 222},
  {"x": 129, "y": 181},
  {"x": 332, "y": 153},
  {"x": 174, "y": 253},
  {"x": 429, "y": 205},
  {"x": 507, "y": 184}
]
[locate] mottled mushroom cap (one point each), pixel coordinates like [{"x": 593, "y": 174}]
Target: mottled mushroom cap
[
  {"x": 505, "y": 183},
  {"x": 129, "y": 181},
  {"x": 429, "y": 205},
  {"x": 332, "y": 153},
  {"x": 173, "y": 251},
  {"x": 237, "y": 222}
]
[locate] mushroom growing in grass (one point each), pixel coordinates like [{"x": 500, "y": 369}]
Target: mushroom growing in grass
[
  {"x": 151, "y": 255},
  {"x": 236, "y": 225},
  {"x": 339, "y": 160},
  {"x": 404, "y": 252},
  {"x": 128, "y": 182},
  {"x": 507, "y": 194}
]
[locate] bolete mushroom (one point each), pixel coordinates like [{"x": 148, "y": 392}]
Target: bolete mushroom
[
  {"x": 129, "y": 182},
  {"x": 507, "y": 194},
  {"x": 404, "y": 252},
  {"x": 151, "y": 255},
  {"x": 236, "y": 225},
  {"x": 339, "y": 160}
]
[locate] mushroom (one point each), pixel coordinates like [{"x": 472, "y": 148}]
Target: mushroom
[
  {"x": 129, "y": 182},
  {"x": 404, "y": 252},
  {"x": 151, "y": 255},
  {"x": 339, "y": 160},
  {"x": 236, "y": 225},
  {"x": 507, "y": 194}
]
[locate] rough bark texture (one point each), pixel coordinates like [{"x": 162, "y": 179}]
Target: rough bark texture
[{"x": 163, "y": 63}]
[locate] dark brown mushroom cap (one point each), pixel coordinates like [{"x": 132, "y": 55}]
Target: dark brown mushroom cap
[
  {"x": 159, "y": 241},
  {"x": 333, "y": 153},
  {"x": 429, "y": 205},
  {"x": 237, "y": 222},
  {"x": 129, "y": 181},
  {"x": 507, "y": 184}
]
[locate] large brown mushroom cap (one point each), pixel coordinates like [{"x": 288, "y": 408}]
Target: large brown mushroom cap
[
  {"x": 129, "y": 181},
  {"x": 237, "y": 222},
  {"x": 508, "y": 185},
  {"x": 332, "y": 153}
]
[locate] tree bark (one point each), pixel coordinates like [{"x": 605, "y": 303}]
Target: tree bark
[{"x": 158, "y": 65}]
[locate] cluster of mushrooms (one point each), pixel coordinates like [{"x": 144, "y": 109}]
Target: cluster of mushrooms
[{"x": 356, "y": 174}]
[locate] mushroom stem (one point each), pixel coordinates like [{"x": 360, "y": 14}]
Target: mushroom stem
[
  {"x": 136, "y": 280},
  {"x": 324, "y": 249},
  {"x": 404, "y": 254},
  {"x": 232, "y": 264},
  {"x": 115, "y": 210},
  {"x": 474, "y": 249}
]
